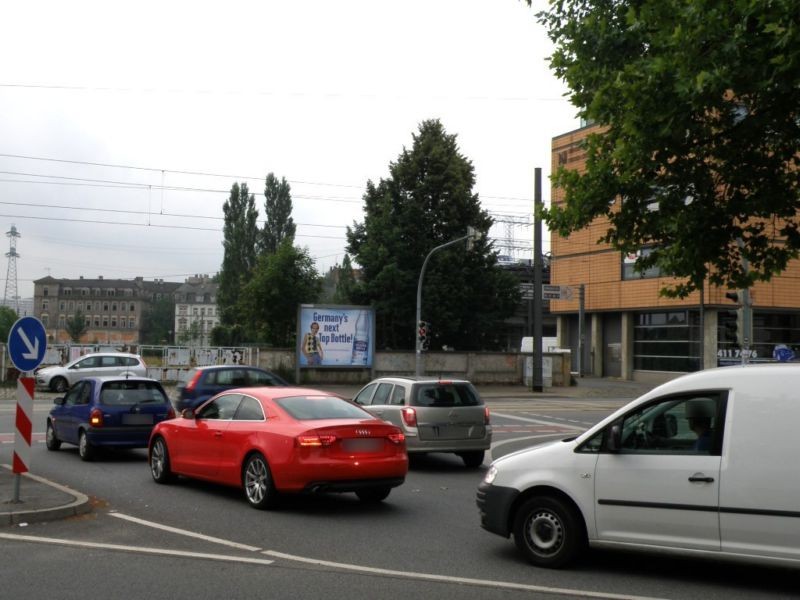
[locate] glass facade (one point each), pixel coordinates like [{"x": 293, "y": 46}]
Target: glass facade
[
  {"x": 667, "y": 341},
  {"x": 770, "y": 329}
]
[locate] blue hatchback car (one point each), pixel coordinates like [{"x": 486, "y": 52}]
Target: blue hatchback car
[
  {"x": 204, "y": 382},
  {"x": 117, "y": 412}
]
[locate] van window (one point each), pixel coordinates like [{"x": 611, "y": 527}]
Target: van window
[{"x": 688, "y": 424}]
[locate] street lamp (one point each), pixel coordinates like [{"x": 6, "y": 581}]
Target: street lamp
[{"x": 472, "y": 236}]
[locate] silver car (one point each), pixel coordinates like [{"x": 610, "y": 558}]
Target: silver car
[
  {"x": 436, "y": 415},
  {"x": 60, "y": 378}
]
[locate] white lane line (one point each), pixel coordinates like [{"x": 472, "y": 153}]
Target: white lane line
[
  {"x": 538, "y": 421},
  {"x": 139, "y": 549},
  {"x": 458, "y": 580},
  {"x": 185, "y": 532}
]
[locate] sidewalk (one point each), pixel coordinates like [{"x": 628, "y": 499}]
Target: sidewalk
[{"x": 43, "y": 500}]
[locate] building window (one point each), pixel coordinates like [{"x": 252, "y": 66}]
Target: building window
[
  {"x": 122, "y": 322},
  {"x": 105, "y": 306},
  {"x": 44, "y": 304},
  {"x": 45, "y": 292},
  {"x": 45, "y": 320},
  {"x": 111, "y": 292},
  {"x": 105, "y": 322},
  {"x": 113, "y": 307},
  {"x": 132, "y": 323},
  {"x": 62, "y": 322},
  {"x": 71, "y": 305},
  {"x": 113, "y": 322},
  {"x": 68, "y": 291},
  {"x": 629, "y": 271},
  {"x": 96, "y": 321},
  {"x": 62, "y": 305},
  {"x": 667, "y": 341},
  {"x": 133, "y": 307}
]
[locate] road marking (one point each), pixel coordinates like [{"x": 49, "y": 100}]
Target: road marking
[
  {"x": 537, "y": 421},
  {"x": 139, "y": 549},
  {"x": 185, "y": 532},
  {"x": 520, "y": 439},
  {"x": 459, "y": 580}
]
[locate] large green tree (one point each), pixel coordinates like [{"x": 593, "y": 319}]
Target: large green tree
[
  {"x": 699, "y": 104},
  {"x": 278, "y": 225},
  {"x": 268, "y": 302},
  {"x": 158, "y": 321},
  {"x": 240, "y": 237},
  {"x": 426, "y": 201},
  {"x": 76, "y": 326}
]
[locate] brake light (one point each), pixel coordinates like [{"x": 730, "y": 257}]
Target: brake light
[
  {"x": 193, "y": 381},
  {"x": 315, "y": 441},
  {"x": 96, "y": 418},
  {"x": 397, "y": 438},
  {"x": 410, "y": 416},
  {"x": 486, "y": 418}
]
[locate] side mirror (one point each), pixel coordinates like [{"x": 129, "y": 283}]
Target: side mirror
[
  {"x": 614, "y": 441},
  {"x": 187, "y": 413},
  {"x": 59, "y": 401}
]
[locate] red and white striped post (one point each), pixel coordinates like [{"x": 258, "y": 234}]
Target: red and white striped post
[{"x": 22, "y": 431}]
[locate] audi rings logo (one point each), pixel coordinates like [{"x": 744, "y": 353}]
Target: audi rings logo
[{"x": 362, "y": 432}]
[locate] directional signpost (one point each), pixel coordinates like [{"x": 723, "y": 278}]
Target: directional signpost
[{"x": 27, "y": 343}]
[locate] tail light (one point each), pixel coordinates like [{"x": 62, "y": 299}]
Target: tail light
[
  {"x": 397, "y": 438},
  {"x": 410, "y": 416},
  {"x": 486, "y": 418},
  {"x": 315, "y": 441},
  {"x": 193, "y": 381},
  {"x": 96, "y": 418}
]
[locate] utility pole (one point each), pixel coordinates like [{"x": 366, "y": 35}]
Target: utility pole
[
  {"x": 472, "y": 235},
  {"x": 538, "y": 384}
]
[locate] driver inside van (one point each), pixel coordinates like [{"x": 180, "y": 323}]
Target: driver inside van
[{"x": 700, "y": 416}]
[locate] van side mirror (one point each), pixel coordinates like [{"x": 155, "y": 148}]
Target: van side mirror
[
  {"x": 187, "y": 413},
  {"x": 614, "y": 442}
]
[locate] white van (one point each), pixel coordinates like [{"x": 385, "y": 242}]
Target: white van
[{"x": 704, "y": 465}]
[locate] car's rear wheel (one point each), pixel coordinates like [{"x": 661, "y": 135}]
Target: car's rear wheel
[
  {"x": 548, "y": 532},
  {"x": 373, "y": 495},
  {"x": 58, "y": 384},
  {"x": 259, "y": 489},
  {"x": 50, "y": 439},
  {"x": 472, "y": 459},
  {"x": 86, "y": 451},
  {"x": 159, "y": 462}
]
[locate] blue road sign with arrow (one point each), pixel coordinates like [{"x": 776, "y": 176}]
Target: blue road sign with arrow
[{"x": 27, "y": 343}]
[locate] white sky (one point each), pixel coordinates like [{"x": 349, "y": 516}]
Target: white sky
[{"x": 200, "y": 95}]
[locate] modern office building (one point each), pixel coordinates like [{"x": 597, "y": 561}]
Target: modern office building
[{"x": 629, "y": 330}]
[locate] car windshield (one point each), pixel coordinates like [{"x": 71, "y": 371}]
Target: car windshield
[
  {"x": 446, "y": 394},
  {"x": 116, "y": 393},
  {"x": 320, "y": 407}
]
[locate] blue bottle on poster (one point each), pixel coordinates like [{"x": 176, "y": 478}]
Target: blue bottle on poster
[{"x": 361, "y": 339}]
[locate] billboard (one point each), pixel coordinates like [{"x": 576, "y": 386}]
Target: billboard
[{"x": 335, "y": 336}]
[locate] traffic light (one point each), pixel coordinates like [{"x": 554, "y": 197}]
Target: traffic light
[
  {"x": 732, "y": 329},
  {"x": 732, "y": 296},
  {"x": 422, "y": 329}
]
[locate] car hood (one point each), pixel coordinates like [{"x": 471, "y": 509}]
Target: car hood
[{"x": 50, "y": 369}]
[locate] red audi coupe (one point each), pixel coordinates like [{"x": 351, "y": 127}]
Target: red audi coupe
[{"x": 275, "y": 440}]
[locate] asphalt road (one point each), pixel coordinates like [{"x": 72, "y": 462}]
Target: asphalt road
[{"x": 197, "y": 540}]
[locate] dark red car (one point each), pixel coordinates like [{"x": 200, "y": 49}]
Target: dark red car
[{"x": 272, "y": 440}]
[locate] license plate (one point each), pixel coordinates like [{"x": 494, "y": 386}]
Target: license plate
[
  {"x": 136, "y": 419},
  {"x": 363, "y": 445}
]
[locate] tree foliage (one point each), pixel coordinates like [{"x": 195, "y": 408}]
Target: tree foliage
[
  {"x": 158, "y": 321},
  {"x": 278, "y": 225},
  {"x": 8, "y": 316},
  {"x": 268, "y": 302},
  {"x": 426, "y": 201},
  {"x": 345, "y": 282},
  {"x": 76, "y": 326},
  {"x": 240, "y": 235},
  {"x": 699, "y": 108}
]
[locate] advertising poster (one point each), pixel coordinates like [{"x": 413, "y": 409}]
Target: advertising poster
[{"x": 335, "y": 336}]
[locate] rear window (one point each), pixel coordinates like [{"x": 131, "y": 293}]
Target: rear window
[
  {"x": 118, "y": 393},
  {"x": 445, "y": 394},
  {"x": 306, "y": 408}
]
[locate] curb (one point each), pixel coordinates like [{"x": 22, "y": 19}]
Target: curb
[{"x": 78, "y": 506}]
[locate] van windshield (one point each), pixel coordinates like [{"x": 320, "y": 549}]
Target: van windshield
[{"x": 445, "y": 394}]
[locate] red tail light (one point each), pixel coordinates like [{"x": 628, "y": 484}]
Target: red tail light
[
  {"x": 193, "y": 381},
  {"x": 486, "y": 418},
  {"x": 410, "y": 416},
  {"x": 397, "y": 438},
  {"x": 315, "y": 441},
  {"x": 96, "y": 418}
]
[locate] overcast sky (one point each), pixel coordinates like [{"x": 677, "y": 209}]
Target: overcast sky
[{"x": 123, "y": 125}]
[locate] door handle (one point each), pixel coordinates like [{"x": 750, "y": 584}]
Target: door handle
[{"x": 701, "y": 479}]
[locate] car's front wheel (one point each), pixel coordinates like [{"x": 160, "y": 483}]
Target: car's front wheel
[
  {"x": 159, "y": 462},
  {"x": 85, "y": 450},
  {"x": 50, "y": 439},
  {"x": 548, "y": 532},
  {"x": 257, "y": 482},
  {"x": 374, "y": 495},
  {"x": 59, "y": 385},
  {"x": 473, "y": 459}
]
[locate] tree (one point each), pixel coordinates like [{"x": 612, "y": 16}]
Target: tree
[
  {"x": 158, "y": 321},
  {"x": 76, "y": 326},
  {"x": 426, "y": 201},
  {"x": 240, "y": 233},
  {"x": 280, "y": 282},
  {"x": 8, "y": 316},
  {"x": 699, "y": 108},
  {"x": 279, "y": 225},
  {"x": 191, "y": 334},
  {"x": 345, "y": 282}
]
